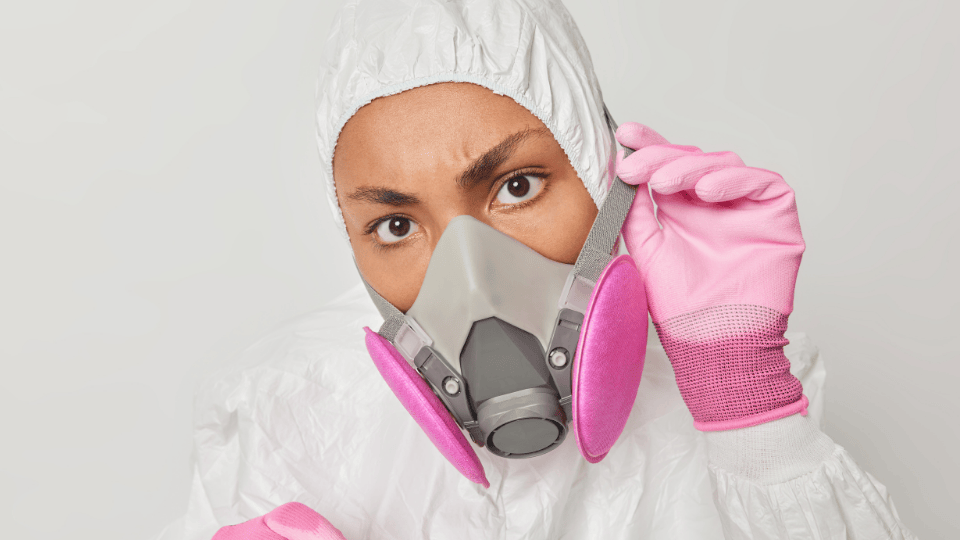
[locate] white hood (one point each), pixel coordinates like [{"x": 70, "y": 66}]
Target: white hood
[{"x": 529, "y": 50}]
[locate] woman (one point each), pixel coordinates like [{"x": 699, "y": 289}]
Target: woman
[{"x": 490, "y": 109}]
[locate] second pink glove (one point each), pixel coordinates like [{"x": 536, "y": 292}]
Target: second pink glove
[{"x": 291, "y": 521}]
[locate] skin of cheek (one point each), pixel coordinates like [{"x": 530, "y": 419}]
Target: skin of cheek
[
  {"x": 558, "y": 225},
  {"x": 424, "y": 138}
]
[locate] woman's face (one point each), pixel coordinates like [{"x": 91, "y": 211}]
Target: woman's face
[{"x": 406, "y": 164}]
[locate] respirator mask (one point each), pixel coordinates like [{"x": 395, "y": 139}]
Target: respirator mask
[{"x": 516, "y": 349}]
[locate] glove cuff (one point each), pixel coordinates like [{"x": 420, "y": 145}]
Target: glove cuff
[
  {"x": 729, "y": 364},
  {"x": 756, "y": 419}
]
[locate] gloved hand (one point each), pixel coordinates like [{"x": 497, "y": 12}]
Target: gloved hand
[
  {"x": 291, "y": 521},
  {"x": 719, "y": 275}
]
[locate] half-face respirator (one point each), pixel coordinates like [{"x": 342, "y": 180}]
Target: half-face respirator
[{"x": 517, "y": 349}]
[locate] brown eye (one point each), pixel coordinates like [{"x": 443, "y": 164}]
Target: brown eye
[
  {"x": 519, "y": 189},
  {"x": 395, "y": 228},
  {"x": 399, "y": 226}
]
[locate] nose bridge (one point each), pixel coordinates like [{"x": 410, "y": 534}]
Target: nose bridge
[
  {"x": 463, "y": 235},
  {"x": 464, "y": 253},
  {"x": 481, "y": 259},
  {"x": 458, "y": 216}
]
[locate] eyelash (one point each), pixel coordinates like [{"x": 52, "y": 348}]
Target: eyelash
[
  {"x": 381, "y": 246},
  {"x": 516, "y": 174},
  {"x": 372, "y": 229}
]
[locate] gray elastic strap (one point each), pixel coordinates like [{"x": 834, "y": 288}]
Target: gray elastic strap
[
  {"x": 603, "y": 235},
  {"x": 392, "y": 317}
]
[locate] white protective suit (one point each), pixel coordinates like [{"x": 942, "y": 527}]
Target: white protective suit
[{"x": 306, "y": 417}]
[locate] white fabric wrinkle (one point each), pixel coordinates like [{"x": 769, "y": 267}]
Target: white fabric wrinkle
[
  {"x": 359, "y": 459},
  {"x": 837, "y": 500}
]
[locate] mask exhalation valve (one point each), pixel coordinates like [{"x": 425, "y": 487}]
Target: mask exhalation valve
[{"x": 518, "y": 410}]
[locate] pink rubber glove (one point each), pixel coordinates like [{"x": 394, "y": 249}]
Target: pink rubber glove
[
  {"x": 291, "y": 521},
  {"x": 719, "y": 275}
]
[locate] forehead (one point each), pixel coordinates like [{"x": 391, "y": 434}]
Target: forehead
[{"x": 427, "y": 130}]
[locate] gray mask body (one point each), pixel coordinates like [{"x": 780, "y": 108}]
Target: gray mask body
[
  {"x": 489, "y": 305},
  {"x": 494, "y": 329},
  {"x": 476, "y": 273}
]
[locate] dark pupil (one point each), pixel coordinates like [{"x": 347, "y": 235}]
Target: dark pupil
[
  {"x": 399, "y": 226},
  {"x": 518, "y": 187}
]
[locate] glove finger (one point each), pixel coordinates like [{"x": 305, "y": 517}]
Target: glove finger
[
  {"x": 296, "y": 521},
  {"x": 638, "y": 167},
  {"x": 739, "y": 182},
  {"x": 684, "y": 172},
  {"x": 636, "y": 136},
  {"x": 640, "y": 226}
]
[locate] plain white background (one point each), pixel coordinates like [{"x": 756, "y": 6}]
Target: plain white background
[{"x": 161, "y": 209}]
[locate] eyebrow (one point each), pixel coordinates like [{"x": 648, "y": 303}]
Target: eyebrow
[
  {"x": 484, "y": 166},
  {"x": 481, "y": 169},
  {"x": 385, "y": 196}
]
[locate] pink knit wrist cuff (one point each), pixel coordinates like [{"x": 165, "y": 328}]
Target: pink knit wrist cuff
[
  {"x": 730, "y": 366},
  {"x": 757, "y": 419}
]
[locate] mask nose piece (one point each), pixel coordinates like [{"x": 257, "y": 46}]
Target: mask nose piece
[{"x": 518, "y": 410}]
